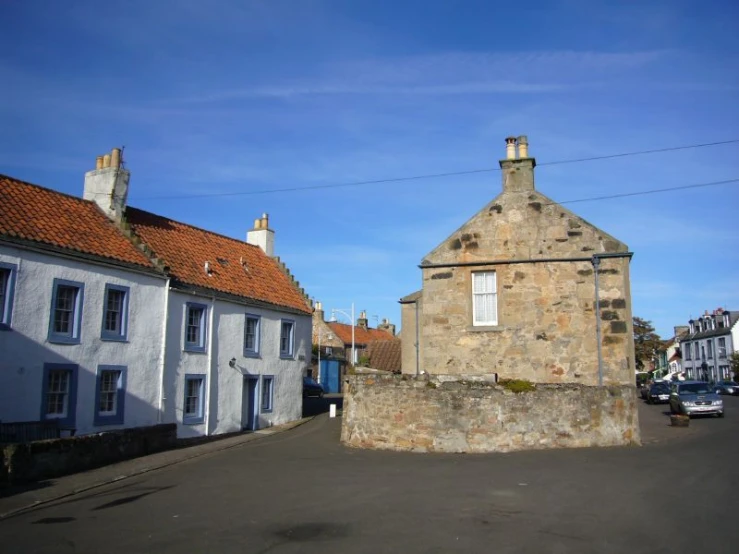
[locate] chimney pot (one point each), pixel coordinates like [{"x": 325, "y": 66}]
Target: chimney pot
[
  {"x": 115, "y": 158},
  {"x": 99, "y": 162},
  {"x": 510, "y": 148},
  {"x": 523, "y": 146},
  {"x": 106, "y": 161}
]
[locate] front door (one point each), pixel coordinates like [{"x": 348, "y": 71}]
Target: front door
[{"x": 249, "y": 403}]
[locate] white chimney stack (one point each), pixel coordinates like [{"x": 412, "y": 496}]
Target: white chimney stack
[
  {"x": 262, "y": 236},
  {"x": 107, "y": 184}
]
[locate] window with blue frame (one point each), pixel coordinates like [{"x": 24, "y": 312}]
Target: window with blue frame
[
  {"x": 65, "y": 320},
  {"x": 115, "y": 313},
  {"x": 195, "y": 327},
  {"x": 194, "y": 403},
  {"x": 268, "y": 385},
  {"x": 287, "y": 338},
  {"x": 251, "y": 335},
  {"x": 110, "y": 395},
  {"x": 59, "y": 394},
  {"x": 7, "y": 290}
]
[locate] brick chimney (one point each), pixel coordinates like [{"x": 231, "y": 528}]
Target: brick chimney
[
  {"x": 517, "y": 168},
  {"x": 107, "y": 184},
  {"x": 362, "y": 321},
  {"x": 318, "y": 312},
  {"x": 387, "y": 326},
  {"x": 262, "y": 236}
]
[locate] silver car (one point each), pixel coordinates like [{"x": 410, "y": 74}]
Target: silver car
[{"x": 695, "y": 397}]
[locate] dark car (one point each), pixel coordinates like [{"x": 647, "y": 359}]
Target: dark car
[
  {"x": 644, "y": 390},
  {"x": 311, "y": 388},
  {"x": 726, "y": 387},
  {"x": 658, "y": 393}
]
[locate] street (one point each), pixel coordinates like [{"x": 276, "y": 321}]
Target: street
[{"x": 302, "y": 491}]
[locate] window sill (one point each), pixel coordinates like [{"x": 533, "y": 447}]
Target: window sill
[
  {"x": 194, "y": 349},
  {"x": 485, "y": 329},
  {"x": 193, "y": 421},
  {"x": 113, "y": 338},
  {"x": 252, "y": 355},
  {"x": 267, "y": 411},
  {"x": 63, "y": 340},
  {"x": 287, "y": 357}
]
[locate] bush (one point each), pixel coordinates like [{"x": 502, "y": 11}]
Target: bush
[{"x": 517, "y": 385}]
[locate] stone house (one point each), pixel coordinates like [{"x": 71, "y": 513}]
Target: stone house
[
  {"x": 524, "y": 289},
  {"x": 115, "y": 317}
]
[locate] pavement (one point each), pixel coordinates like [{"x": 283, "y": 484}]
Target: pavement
[{"x": 16, "y": 500}]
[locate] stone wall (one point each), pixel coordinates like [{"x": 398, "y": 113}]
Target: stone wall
[
  {"x": 474, "y": 414},
  {"x": 546, "y": 329},
  {"x": 53, "y": 458}
]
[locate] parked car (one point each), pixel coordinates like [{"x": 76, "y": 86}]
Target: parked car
[
  {"x": 644, "y": 390},
  {"x": 311, "y": 388},
  {"x": 695, "y": 397},
  {"x": 726, "y": 387},
  {"x": 658, "y": 393}
]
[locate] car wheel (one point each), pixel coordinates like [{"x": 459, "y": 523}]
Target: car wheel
[
  {"x": 720, "y": 414},
  {"x": 649, "y": 400}
]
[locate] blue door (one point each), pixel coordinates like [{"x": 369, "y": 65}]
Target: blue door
[
  {"x": 330, "y": 377},
  {"x": 249, "y": 403}
]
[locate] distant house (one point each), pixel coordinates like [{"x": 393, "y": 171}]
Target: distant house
[
  {"x": 524, "y": 289},
  {"x": 117, "y": 317},
  {"x": 708, "y": 345}
]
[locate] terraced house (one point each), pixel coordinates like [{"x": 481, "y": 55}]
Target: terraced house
[
  {"x": 116, "y": 317},
  {"x": 707, "y": 346}
]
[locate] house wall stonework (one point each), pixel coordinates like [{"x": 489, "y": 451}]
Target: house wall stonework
[
  {"x": 451, "y": 414},
  {"x": 546, "y": 330}
]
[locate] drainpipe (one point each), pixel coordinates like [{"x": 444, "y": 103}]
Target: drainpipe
[
  {"x": 418, "y": 345},
  {"x": 596, "y": 266},
  {"x": 162, "y": 398},
  {"x": 210, "y": 347}
]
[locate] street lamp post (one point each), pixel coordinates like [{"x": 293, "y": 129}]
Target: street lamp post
[{"x": 333, "y": 317}]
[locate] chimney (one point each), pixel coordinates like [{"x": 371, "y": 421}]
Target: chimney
[
  {"x": 518, "y": 172},
  {"x": 387, "y": 326},
  {"x": 107, "y": 184},
  {"x": 318, "y": 312},
  {"x": 262, "y": 236},
  {"x": 681, "y": 330},
  {"x": 362, "y": 321}
]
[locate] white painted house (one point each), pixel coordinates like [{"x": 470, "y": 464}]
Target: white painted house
[{"x": 115, "y": 317}]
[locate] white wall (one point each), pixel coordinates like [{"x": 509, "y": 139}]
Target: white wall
[
  {"x": 224, "y": 384},
  {"x": 25, "y": 348}
]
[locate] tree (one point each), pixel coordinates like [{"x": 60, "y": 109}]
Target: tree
[
  {"x": 646, "y": 342},
  {"x": 734, "y": 360}
]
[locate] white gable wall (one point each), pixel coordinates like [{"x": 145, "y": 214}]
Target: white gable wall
[{"x": 26, "y": 347}]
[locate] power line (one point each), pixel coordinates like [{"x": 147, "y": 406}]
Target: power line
[
  {"x": 448, "y": 174},
  {"x": 644, "y": 192}
]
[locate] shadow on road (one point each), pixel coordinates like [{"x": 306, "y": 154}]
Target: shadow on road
[{"x": 313, "y": 406}]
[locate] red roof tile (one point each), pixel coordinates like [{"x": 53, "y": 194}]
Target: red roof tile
[
  {"x": 30, "y": 213},
  {"x": 385, "y": 355},
  {"x": 186, "y": 249},
  {"x": 361, "y": 335}
]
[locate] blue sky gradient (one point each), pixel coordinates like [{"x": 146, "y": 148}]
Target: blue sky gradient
[{"x": 239, "y": 97}]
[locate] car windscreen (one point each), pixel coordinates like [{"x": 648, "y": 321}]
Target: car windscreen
[
  {"x": 696, "y": 388},
  {"x": 660, "y": 389}
]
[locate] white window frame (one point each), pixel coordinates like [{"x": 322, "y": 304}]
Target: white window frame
[{"x": 484, "y": 295}]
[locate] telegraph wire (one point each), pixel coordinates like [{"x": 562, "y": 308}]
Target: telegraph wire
[{"x": 459, "y": 173}]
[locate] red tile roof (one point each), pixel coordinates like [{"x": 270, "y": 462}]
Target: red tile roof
[
  {"x": 236, "y": 267},
  {"x": 385, "y": 355},
  {"x": 361, "y": 335},
  {"x": 33, "y": 214}
]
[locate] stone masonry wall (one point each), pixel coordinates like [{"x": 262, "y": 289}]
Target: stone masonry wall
[
  {"x": 45, "y": 459},
  {"x": 449, "y": 414},
  {"x": 546, "y": 328}
]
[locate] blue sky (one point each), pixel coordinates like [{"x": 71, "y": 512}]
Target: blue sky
[{"x": 241, "y": 97}]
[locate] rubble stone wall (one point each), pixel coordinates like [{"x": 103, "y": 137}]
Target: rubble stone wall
[{"x": 455, "y": 413}]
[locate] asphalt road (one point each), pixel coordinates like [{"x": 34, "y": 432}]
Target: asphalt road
[{"x": 301, "y": 491}]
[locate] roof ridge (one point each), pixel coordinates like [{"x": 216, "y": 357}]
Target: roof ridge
[
  {"x": 232, "y": 239},
  {"x": 46, "y": 189}
]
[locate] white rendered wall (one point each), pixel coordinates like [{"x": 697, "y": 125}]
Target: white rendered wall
[
  {"x": 25, "y": 348},
  {"x": 224, "y": 384}
]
